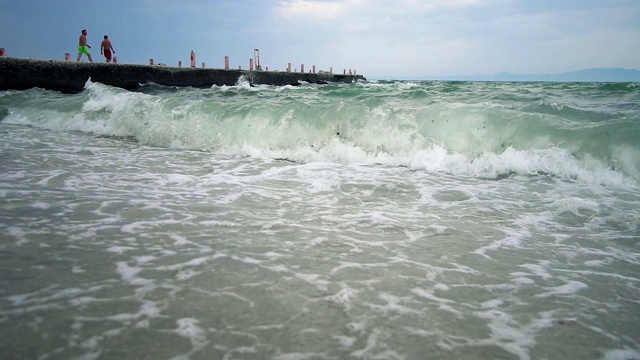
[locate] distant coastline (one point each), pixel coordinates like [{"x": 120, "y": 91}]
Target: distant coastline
[{"x": 586, "y": 75}]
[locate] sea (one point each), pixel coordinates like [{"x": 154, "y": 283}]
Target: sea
[{"x": 369, "y": 220}]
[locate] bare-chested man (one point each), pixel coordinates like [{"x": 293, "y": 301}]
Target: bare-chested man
[
  {"x": 83, "y": 47},
  {"x": 106, "y": 48}
]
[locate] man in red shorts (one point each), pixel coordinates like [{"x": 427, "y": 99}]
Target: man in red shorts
[{"x": 106, "y": 48}]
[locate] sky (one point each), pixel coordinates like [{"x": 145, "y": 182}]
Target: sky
[{"x": 384, "y": 39}]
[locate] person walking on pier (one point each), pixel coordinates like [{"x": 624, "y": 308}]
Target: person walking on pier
[
  {"x": 106, "y": 48},
  {"x": 82, "y": 46}
]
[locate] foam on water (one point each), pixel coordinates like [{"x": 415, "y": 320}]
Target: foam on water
[
  {"x": 373, "y": 243},
  {"x": 305, "y": 124}
]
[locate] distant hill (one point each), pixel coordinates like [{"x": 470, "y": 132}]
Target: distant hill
[{"x": 586, "y": 75}]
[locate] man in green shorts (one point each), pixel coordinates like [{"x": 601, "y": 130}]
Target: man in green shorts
[{"x": 83, "y": 48}]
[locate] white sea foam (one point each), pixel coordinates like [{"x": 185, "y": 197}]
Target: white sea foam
[
  {"x": 429, "y": 296},
  {"x": 120, "y": 249},
  {"x": 568, "y": 289},
  {"x": 188, "y": 328},
  {"x": 317, "y": 223},
  {"x": 506, "y": 333},
  {"x": 539, "y": 270},
  {"x": 178, "y": 179},
  {"x": 129, "y": 274},
  {"x": 458, "y": 142},
  {"x": 622, "y": 354}
]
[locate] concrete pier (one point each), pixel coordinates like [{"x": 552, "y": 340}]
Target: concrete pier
[{"x": 71, "y": 76}]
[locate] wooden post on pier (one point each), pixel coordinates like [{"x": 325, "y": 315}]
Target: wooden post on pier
[
  {"x": 302, "y": 68},
  {"x": 226, "y": 62},
  {"x": 250, "y": 64},
  {"x": 150, "y": 61},
  {"x": 203, "y": 65},
  {"x": 67, "y": 56},
  {"x": 179, "y": 63},
  {"x": 193, "y": 59},
  {"x": 289, "y": 67},
  {"x": 314, "y": 69}
]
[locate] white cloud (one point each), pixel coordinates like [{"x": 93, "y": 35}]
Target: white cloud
[
  {"x": 432, "y": 5},
  {"x": 458, "y": 37},
  {"x": 309, "y": 10}
]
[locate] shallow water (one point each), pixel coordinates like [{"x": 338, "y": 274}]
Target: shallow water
[{"x": 122, "y": 239}]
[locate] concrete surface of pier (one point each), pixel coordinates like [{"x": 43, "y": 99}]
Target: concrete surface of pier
[{"x": 71, "y": 76}]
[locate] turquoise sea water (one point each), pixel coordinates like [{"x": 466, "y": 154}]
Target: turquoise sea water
[{"x": 375, "y": 220}]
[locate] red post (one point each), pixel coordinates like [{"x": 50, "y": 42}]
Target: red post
[
  {"x": 250, "y": 64},
  {"x": 67, "y": 56},
  {"x": 226, "y": 62},
  {"x": 193, "y": 59},
  {"x": 1, "y": 52},
  {"x": 115, "y": 59},
  {"x": 302, "y": 68}
]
